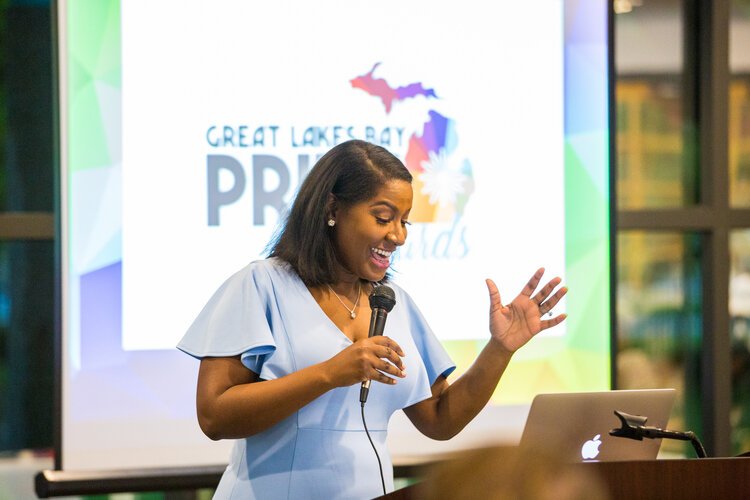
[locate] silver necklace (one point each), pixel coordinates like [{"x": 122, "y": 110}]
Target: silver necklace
[{"x": 352, "y": 311}]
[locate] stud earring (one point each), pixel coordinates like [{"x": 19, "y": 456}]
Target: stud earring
[{"x": 331, "y": 222}]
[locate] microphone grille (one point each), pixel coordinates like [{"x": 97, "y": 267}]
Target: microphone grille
[{"x": 382, "y": 297}]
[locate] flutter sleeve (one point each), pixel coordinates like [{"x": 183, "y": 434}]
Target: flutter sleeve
[
  {"x": 436, "y": 360},
  {"x": 235, "y": 321}
]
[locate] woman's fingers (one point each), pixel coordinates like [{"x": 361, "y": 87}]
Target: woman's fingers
[
  {"x": 545, "y": 306},
  {"x": 494, "y": 292},
  {"x": 385, "y": 361},
  {"x": 546, "y": 291},
  {"x": 533, "y": 282},
  {"x": 552, "y": 301},
  {"x": 389, "y": 353},
  {"x": 382, "y": 378},
  {"x": 385, "y": 373},
  {"x": 549, "y": 323}
]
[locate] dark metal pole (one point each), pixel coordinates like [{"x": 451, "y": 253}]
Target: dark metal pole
[{"x": 709, "y": 66}]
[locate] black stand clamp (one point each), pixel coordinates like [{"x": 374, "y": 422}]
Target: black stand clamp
[{"x": 633, "y": 427}]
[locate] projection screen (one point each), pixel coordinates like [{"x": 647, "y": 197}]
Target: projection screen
[{"x": 186, "y": 127}]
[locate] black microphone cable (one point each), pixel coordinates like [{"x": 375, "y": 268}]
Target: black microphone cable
[
  {"x": 382, "y": 300},
  {"x": 367, "y": 432}
]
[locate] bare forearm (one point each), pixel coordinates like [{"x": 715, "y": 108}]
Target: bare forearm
[
  {"x": 452, "y": 409},
  {"x": 246, "y": 409},
  {"x": 233, "y": 403}
]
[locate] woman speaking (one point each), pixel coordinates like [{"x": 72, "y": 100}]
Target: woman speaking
[{"x": 284, "y": 343}]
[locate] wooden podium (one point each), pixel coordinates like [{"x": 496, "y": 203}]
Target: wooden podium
[{"x": 704, "y": 478}]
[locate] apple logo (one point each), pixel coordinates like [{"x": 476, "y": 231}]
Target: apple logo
[{"x": 590, "y": 448}]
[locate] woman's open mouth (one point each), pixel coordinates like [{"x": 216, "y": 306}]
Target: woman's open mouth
[{"x": 381, "y": 258}]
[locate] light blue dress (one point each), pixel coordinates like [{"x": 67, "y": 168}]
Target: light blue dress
[{"x": 266, "y": 314}]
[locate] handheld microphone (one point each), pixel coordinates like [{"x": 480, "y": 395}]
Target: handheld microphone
[{"x": 382, "y": 300}]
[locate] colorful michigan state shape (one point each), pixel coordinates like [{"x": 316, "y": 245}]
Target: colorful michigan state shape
[{"x": 443, "y": 180}]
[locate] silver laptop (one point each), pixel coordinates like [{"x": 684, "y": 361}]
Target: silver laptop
[{"x": 575, "y": 426}]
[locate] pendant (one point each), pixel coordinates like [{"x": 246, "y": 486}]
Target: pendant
[{"x": 353, "y": 314}]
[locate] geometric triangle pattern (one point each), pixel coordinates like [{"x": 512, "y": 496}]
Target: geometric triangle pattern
[{"x": 582, "y": 361}]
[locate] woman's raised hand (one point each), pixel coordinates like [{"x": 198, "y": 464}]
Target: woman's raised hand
[
  {"x": 376, "y": 358},
  {"x": 514, "y": 324}
]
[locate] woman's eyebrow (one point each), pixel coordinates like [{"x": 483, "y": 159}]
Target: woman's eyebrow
[{"x": 386, "y": 203}]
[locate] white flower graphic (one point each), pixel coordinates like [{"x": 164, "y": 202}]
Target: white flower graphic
[{"x": 442, "y": 179}]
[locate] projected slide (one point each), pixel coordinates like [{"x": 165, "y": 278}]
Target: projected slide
[{"x": 187, "y": 127}]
